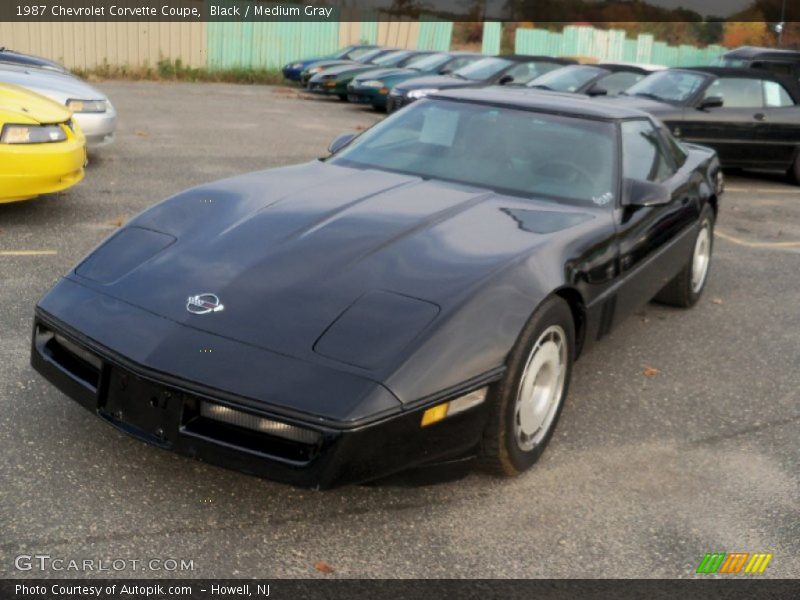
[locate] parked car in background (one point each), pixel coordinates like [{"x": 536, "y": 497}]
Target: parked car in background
[
  {"x": 417, "y": 298},
  {"x": 365, "y": 59},
  {"x": 91, "y": 108},
  {"x": 492, "y": 70},
  {"x": 373, "y": 87},
  {"x": 605, "y": 79},
  {"x": 29, "y": 60},
  {"x": 750, "y": 117},
  {"x": 42, "y": 150},
  {"x": 774, "y": 60},
  {"x": 334, "y": 81},
  {"x": 293, "y": 70}
]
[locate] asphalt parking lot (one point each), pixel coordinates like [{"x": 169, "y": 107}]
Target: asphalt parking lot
[{"x": 680, "y": 435}]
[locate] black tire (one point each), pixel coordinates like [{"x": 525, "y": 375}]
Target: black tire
[
  {"x": 501, "y": 452},
  {"x": 681, "y": 291},
  {"x": 794, "y": 170},
  {"x": 342, "y": 97}
]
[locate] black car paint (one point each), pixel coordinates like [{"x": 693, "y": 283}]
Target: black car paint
[
  {"x": 767, "y": 138},
  {"x": 291, "y": 250}
]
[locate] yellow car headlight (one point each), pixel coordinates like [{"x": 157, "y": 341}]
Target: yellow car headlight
[
  {"x": 87, "y": 106},
  {"x": 32, "y": 134}
]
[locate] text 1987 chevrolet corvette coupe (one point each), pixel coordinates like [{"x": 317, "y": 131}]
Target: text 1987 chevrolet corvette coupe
[{"x": 416, "y": 298}]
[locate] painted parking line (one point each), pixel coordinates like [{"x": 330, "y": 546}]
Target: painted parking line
[
  {"x": 749, "y": 244},
  {"x": 28, "y": 252}
]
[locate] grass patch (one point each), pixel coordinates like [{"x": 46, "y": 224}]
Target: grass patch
[{"x": 168, "y": 70}]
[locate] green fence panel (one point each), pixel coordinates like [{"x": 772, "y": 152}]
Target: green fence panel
[
  {"x": 688, "y": 56},
  {"x": 492, "y": 30},
  {"x": 435, "y": 35},
  {"x": 599, "y": 48},
  {"x": 629, "y": 51},
  {"x": 569, "y": 41},
  {"x": 528, "y": 41},
  {"x": 644, "y": 48},
  {"x": 616, "y": 45},
  {"x": 368, "y": 33},
  {"x": 713, "y": 52},
  {"x": 268, "y": 44}
]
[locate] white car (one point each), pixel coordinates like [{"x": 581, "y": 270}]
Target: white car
[{"x": 91, "y": 108}]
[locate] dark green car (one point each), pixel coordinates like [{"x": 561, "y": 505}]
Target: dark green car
[
  {"x": 374, "y": 86},
  {"x": 334, "y": 81}
]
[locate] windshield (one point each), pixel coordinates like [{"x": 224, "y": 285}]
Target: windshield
[
  {"x": 368, "y": 56},
  {"x": 669, "y": 86},
  {"x": 483, "y": 69},
  {"x": 428, "y": 62},
  {"x": 566, "y": 79},
  {"x": 391, "y": 59},
  {"x": 504, "y": 149},
  {"x": 738, "y": 63}
]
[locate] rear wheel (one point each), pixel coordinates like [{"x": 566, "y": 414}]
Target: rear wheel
[
  {"x": 686, "y": 288},
  {"x": 794, "y": 170},
  {"x": 526, "y": 404},
  {"x": 342, "y": 97}
]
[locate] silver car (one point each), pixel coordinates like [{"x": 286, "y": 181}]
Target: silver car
[{"x": 91, "y": 108}]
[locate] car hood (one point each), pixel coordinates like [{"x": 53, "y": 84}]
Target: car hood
[
  {"x": 56, "y": 86},
  {"x": 331, "y": 63},
  {"x": 344, "y": 70},
  {"x": 287, "y": 251},
  {"x": 19, "y": 105},
  {"x": 385, "y": 73},
  {"x": 439, "y": 82}
]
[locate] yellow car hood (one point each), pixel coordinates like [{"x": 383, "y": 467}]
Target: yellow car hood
[{"x": 18, "y": 105}]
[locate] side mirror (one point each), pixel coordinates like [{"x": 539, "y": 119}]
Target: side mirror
[
  {"x": 596, "y": 91},
  {"x": 710, "y": 102},
  {"x": 505, "y": 79},
  {"x": 638, "y": 192},
  {"x": 340, "y": 141}
]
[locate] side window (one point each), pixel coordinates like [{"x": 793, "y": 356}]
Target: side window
[
  {"x": 460, "y": 62},
  {"x": 779, "y": 67},
  {"x": 776, "y": 95},
  {"x": 618, "y": 82},
  {"x": 524, "y": 72},
  {"x": 642, "y": 153},
  {"x": 737, "y": 92}
]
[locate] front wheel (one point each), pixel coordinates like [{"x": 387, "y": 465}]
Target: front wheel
[
  {"x": 794, "y": 170},
  {"x": 526, "y": 404},
  {"x": 686, "y": 288}
]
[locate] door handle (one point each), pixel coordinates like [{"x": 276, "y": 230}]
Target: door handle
[{"x": 759, "y": 116}]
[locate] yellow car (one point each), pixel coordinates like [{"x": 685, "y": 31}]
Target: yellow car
[{"x": 41, "y": 149}]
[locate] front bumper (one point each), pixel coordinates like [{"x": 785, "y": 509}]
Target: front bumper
[
  {"x": 397, "y": 101},
  {"x": 98, "y": 128},
  {"x": 366, "y": 95},
  {"x": 163, "y": 410},
  {"x": 27, "y": 171},
  {"x": 316, "y": 87},
  {"x": 292, "y": 74}
]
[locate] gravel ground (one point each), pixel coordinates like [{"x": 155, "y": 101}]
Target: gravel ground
[{"x": 645, "y": 474}]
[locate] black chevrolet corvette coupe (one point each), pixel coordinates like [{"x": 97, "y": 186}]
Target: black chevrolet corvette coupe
[
  {"x": 416, "y": 298},
  {"x": 751, "y": 117}
]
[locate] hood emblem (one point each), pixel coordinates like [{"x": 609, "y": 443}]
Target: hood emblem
[{"x": 203, "y": 303}]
